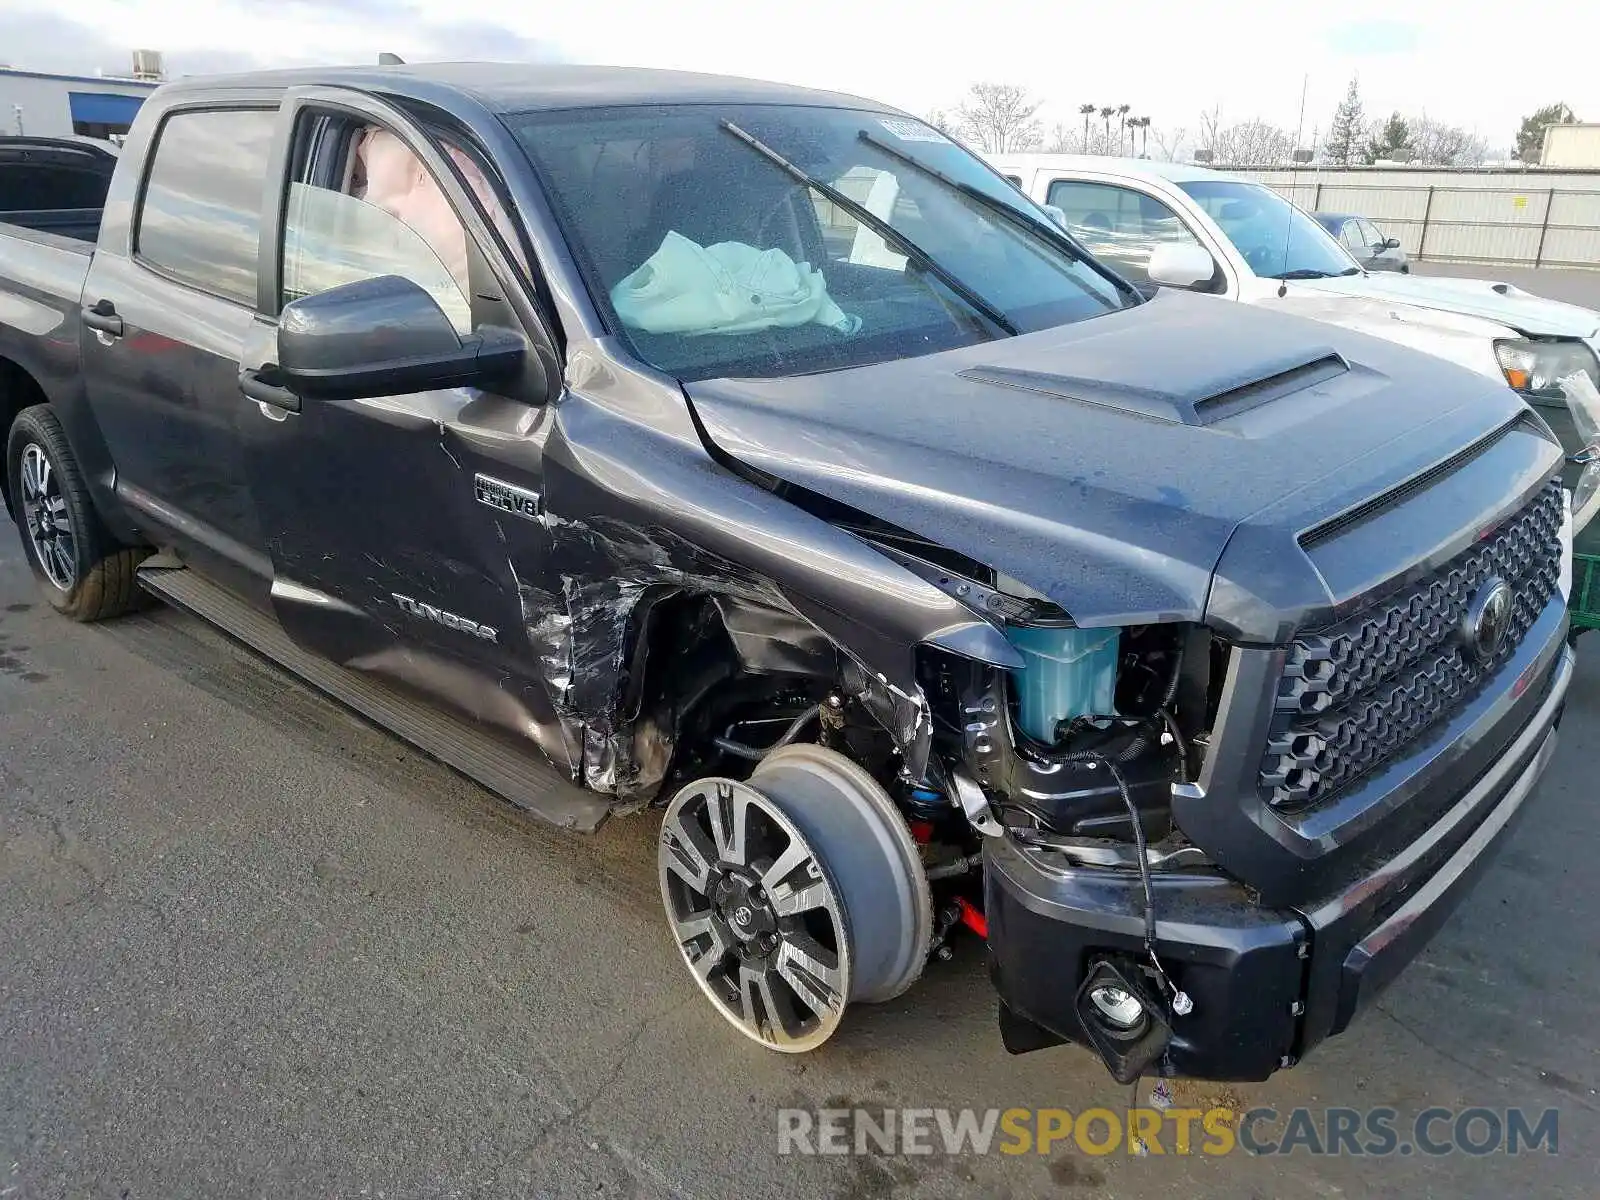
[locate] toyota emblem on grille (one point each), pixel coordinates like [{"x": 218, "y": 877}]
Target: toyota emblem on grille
[{"x": 1483, "y": 629}]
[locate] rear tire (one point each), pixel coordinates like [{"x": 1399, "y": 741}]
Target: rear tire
[{"x": 83, "y": 572}]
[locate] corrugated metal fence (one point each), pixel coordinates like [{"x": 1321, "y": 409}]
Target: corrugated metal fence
[{"x": 1512, "y": 218}]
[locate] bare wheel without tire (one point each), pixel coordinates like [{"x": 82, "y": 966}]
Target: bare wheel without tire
[
  {"x": 794, "y": 894},
  {"x": 81, "y": 570}
]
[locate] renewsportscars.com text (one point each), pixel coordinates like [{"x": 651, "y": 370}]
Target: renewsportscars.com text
[{"x": 1376, "y": 1132}]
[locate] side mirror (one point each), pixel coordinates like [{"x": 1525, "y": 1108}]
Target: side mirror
[
  {"x": 1180, "y": 265},
  {"x": 1055, "y": 214},
  {"x": 1391, "y": 244},
  {"x": 385, "y": 336}
]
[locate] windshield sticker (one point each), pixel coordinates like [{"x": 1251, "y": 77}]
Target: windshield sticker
[{"x": 911, "y": 131}]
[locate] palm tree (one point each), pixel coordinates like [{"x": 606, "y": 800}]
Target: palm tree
[
  {"x": 1106, "y": 115},
  {"x": 1142, "y": 124},
  {"x": 1086, "y": 111},
  {"x": 1122, "y": 123}
]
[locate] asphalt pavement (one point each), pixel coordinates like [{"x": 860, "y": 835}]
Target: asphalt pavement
[{"x": 251, "y": 946}]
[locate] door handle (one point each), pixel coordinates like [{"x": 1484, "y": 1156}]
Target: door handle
[
  {"x": 102, "y": 318},
  {"x": 263, "y": 391}
]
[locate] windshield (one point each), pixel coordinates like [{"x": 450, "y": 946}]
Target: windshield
[
  {"x": 711, "y": 258},
  {"x": 1275, "y": 238}
]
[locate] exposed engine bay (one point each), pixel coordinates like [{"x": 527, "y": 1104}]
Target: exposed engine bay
[{"x": 1075, "y": 752}]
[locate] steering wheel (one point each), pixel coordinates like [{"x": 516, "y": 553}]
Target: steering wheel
[{"x": 1264, "y": 259}]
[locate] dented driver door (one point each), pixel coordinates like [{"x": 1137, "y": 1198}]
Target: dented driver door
[{"x": 404, "y": 530}]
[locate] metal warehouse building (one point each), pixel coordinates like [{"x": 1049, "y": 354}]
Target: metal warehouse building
[{"x": 43, "y": 105}]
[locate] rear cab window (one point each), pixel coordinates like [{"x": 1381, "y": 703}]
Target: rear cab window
[
  {"x": 199, "y": 219},
  {"x": 74, "y": 182}
]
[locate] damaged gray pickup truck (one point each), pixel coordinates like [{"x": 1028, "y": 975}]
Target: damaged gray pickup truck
[{"x": 762, "y": 460}]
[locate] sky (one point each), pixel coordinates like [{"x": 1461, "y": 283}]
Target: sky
[{"x": 1169, "y": 59}]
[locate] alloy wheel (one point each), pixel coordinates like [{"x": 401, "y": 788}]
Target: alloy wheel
[
  {"x": 48, "y": 522},
  {"x": 755, "y": 914}
]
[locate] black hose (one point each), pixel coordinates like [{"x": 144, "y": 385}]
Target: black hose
[
  {"x": 1141, "y": 743},
  {"x": 756, "y": 754},
  {"x": 1179, "y": 741}
]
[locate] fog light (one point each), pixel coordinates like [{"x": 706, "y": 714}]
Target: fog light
[
  {"x": 1120, "y": 1009},
  {"x": 1122, "y": 1017}
]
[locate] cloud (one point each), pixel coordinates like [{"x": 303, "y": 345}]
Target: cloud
[
  {"x": 309, "y": 32},
  {"x": 38, "y": 41},
  {"x": 1362, "y": 39},
  {"x": 483, "y": 40}
]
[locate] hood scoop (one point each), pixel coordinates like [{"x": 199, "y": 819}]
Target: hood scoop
[{"x": 1213, "y": 396}]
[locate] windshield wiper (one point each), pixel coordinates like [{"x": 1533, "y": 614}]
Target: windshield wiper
[
  {"x": 879, "y": 226},
  {"x": 1043, "y": 230},
  {"x": 1306, "y": 273}
]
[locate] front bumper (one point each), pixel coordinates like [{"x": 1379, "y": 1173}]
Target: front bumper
[{"x": 1267, "y": 984}]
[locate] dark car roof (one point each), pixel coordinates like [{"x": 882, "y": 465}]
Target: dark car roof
[
  {"x": 1328, "y": 218},
  {"x": 520, "y": 87}
]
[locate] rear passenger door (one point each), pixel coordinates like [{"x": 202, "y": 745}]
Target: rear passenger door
[
  {"x": 404, "y": 530},
  {"x": 173, "y": 287}
]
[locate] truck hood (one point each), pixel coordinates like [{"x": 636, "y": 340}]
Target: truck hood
[
  {"x": 1501, "y": 303},
  {"x": 1107, "y": 463}
]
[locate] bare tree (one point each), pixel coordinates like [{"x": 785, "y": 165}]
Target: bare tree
[
  {"x": 1253, "y": 143},
  {"x": 1210, "y": 127},
  {"x": 946, "y": 124},
  {"x": 1060, "y": 140},
  {"x": 1169, "y": 145},
  {"x": 1439, "y": 145},
  {"x": 999, "y": 117}
]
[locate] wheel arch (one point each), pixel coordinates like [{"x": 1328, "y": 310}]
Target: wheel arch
[
  {"x": 682, "y": 650},
  {"x": 18, "y": 390}
]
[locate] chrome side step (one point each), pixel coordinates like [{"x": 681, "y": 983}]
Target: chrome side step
[{"x": 490, "y": 760}]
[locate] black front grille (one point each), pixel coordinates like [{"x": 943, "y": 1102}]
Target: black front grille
[{"x": 1356, "y": 693}]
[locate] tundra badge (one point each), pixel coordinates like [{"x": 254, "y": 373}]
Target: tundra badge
[
  {"x": 449, "y": 620},
  {"x": 507, "y": 497}
]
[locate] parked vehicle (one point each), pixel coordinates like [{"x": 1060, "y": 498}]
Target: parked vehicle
[
  {"x": 1369, "y": 246},
  {"x": 638, "y": 440},
  {"x": 1183, "y": 226},
  {"x": 55, "y": 185}
]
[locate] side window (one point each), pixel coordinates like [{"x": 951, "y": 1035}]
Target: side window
[
  {"x": 200, "y": 221},
  {"x": 1353, "y": 240},
  {"x": 1370, "y": 234},
  {"x": 379, "y": 212},
  {"x": 1118, "y": 224}
]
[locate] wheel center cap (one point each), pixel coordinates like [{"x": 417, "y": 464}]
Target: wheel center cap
[{"x": 744, "y": 909}]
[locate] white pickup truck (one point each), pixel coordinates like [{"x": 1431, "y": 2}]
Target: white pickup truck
[{"x": 1177, "y": 225}]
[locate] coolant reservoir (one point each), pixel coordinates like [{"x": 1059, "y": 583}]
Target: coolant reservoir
[{"x": 1067, "y": 672}]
